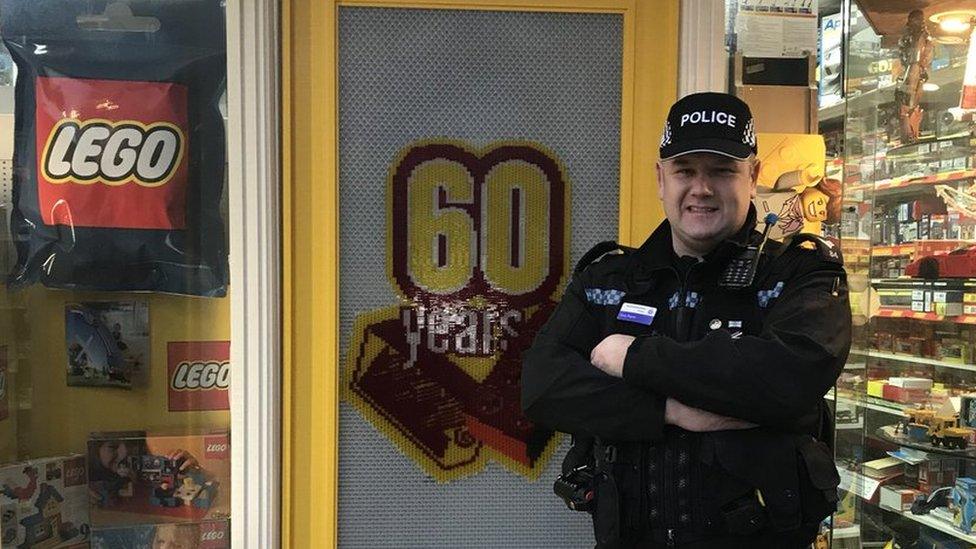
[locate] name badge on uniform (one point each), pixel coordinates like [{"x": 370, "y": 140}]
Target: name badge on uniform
[{"x": 641, "y": 314}]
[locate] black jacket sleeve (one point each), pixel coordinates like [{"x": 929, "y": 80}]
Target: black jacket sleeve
[
  {"x": 562, "y": 390},
  {"x": 774, "y": 379}
]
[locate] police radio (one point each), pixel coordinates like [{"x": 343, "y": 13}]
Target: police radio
[
  {"x": 577, "y": 488},
  {"x": 741, "y": 271}
]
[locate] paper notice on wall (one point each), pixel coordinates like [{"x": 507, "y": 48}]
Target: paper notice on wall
[{"x": 777, "y": 28}]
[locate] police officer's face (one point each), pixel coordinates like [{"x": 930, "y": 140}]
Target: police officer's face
[{"x": 706, "y": 197}]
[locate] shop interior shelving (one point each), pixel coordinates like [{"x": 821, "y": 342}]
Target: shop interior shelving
[{"x": 921, "y": 328}]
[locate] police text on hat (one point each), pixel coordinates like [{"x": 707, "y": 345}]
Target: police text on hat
[{"x": 709, "y": 122}]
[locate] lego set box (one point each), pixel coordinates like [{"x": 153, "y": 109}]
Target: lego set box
[
  {"x": 44, "y": 503},
  {"x": 140, "y": 478},
  {"x": 211, "y": 534}
]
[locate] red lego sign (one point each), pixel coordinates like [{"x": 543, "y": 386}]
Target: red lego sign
[
  {"x": 111, "y": 153},
  {"x": 217, "y": 447},
  {"x": 199, "y": 375}
]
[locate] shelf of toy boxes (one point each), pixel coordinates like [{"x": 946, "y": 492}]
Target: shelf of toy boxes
[
  {"x": 868, "y": 490},
  {"x": 884, "y": 493}
]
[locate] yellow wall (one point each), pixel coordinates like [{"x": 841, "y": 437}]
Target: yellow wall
[
  {"x": 55, "y": 419},
  {"x": 310, "y": 216}
]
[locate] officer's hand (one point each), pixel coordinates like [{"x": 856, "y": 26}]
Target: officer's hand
[
  {"x": 610, "y": 353},
  {"x": 695, "y": 419}
]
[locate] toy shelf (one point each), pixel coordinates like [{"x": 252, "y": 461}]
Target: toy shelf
[
  {"x": 885, "y": 312},
  {"x": 884, "y": 186},
  {"x": 912, "y": 359},
  {"x": 871, "y": 403},
  {"x": 887, "y": 433},
  {"x": 938, "y": 524},
  {"x": 918, "y": 247},
  {"x": 865, "y": 488}
]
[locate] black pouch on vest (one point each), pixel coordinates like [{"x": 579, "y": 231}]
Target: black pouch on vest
[
  {"x": 818, "y": 479},
  {"x": 744, "y": 517},
  {"x": 606, "y": 517},
  {"x": 767, "y": 461}
]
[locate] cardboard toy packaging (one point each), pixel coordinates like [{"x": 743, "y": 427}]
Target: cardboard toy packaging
[
  {"x": 44, "y": 503},
  {"x": 188, "y": 535},
  {"x": 139, "y": 478}
]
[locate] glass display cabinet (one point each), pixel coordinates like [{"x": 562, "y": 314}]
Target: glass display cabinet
[{"x": 905, "y": 403}]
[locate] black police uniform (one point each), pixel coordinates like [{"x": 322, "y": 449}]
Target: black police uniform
[{"x": 766, "y": 354}]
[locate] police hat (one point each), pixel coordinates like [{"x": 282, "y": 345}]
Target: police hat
[{"x": 709, "y": 122}]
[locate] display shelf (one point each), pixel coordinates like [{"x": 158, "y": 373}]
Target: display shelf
[
  {"x": 906, "y": 152},
  {"x": 887, "y": 433},
  {"x": 910, "y": 183},
  {"x": 937, "y": 524},
  {"x": 850, "y": 426},
  {"x": 921, "y": 247},
  {"x": 912, "y": 359},
  {"x": 885, "y": 312},
  {"x": 891, "y": 175},
  {"x": 871, "y": 403},
  {"x": 847, "y": 532},
  {"x": 865, "y": 488}
]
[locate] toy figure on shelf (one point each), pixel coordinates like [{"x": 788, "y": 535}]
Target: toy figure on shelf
[
  {"x": 915, "y": 51},
  {"x": 792, "y": 184},
  {"x": 804, "y": 210}
]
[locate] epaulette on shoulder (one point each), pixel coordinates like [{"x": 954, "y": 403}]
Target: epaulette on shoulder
[
  {"x": 827, "y": 248},
  {"x": 598, "y": 251}
]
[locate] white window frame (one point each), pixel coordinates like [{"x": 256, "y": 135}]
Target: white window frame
[{"x": 253, "y": 141}]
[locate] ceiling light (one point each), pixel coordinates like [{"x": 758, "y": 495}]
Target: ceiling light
[
  {"x": 930, "y": 87},
  {"x": 954, "y": 21}
]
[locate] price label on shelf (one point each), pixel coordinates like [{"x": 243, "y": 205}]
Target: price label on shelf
[{"x": 861, "y": 485}]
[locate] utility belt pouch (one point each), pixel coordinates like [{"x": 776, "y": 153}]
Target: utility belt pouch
[
  {"x": 767, "y": 461},
  {"x": 744, "y": 516},
  {"x": 606, "y": 513},
  {"x": 819, "y": 479}
]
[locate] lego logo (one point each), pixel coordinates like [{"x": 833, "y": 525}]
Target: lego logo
[
  {"x": 217, "y": 447},
  {"x": 192, "y": 376},
  {"x": 212, "y": 536},
  {"x": 112, "y": 152}
]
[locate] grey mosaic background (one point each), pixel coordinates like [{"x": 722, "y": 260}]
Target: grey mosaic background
[{"x": 477, "y": 77}]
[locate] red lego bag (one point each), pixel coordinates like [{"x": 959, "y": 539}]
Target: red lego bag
[{"x": 119, "y": 144}]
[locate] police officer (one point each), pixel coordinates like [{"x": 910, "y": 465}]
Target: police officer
[{"x": 691, "y": 371}]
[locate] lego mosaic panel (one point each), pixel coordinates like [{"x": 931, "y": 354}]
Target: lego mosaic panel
[{"x": 488, "y": 145}]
